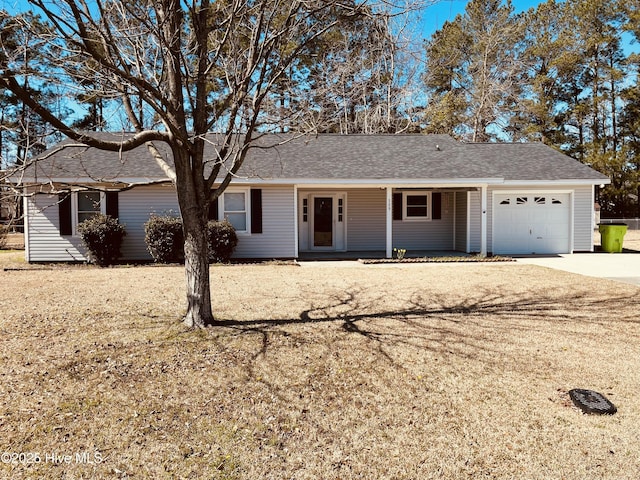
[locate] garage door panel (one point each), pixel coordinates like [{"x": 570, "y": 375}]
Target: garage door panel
[{"x": 527, "y": 223}]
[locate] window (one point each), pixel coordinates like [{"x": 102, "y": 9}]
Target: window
[
  {"x": 76, "y": 207},
  {"x": 235, "y": 208},
  {"x": 89, "y": 204},
  {"x": 417, "y": 206}
]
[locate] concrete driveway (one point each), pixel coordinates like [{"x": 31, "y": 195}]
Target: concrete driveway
[{"x": 621, "y": 267}]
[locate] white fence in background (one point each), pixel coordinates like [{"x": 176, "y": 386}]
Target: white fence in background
[{"x": 632, "y": 223}]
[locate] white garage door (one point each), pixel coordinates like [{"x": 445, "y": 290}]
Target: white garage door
[{"x": 527, "y": 223}]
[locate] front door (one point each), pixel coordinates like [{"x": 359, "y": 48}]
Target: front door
[
  {"x": 323, "y": 235},
  {"x": 322, "y": 221}
]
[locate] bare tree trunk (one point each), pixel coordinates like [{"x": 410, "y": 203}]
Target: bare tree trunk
[
  {"x": 196, "y": 262},
  {"x": 193, "y": 198}
]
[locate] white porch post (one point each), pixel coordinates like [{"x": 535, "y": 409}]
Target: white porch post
[
  {"x": 296, "y": 229},
  {"x": 389, "y": 235},
  {"x": 483, "y": 221}
]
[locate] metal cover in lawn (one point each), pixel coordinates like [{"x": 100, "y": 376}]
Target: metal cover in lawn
[{"x": 592, "y": 402}]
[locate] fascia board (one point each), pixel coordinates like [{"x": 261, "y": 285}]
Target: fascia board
[
  {"x": 363, "y": 183},
  {"x": 573, "y": 181}
]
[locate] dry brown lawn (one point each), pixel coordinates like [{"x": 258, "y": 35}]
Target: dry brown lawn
[{"x": 442, "y": 371}]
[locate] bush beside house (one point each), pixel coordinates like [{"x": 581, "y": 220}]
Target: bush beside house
[
  {"x": 165, "y": 240},
  {"x": 102, "y": 236},
  {"x": 222, "y": 241}
]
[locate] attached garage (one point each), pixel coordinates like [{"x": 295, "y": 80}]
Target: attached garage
[{"x": 532, "y": 223}]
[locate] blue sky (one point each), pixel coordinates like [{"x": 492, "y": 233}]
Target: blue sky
[
  {"x": 444, "y": 10},
  {"x": 435, "y": 15}
]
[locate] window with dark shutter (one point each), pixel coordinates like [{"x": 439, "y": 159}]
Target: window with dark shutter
[
  {"x": 213, "y": 210},
  {"x": 256, "y": 210},
  {"x": 436, "y": 205},
  {"x": 64, "y": 214},
  {"x": 111, "y": 207},
  {"x": 397, "y": 206}
]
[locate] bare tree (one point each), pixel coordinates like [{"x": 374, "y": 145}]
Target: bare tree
[
  {"x": 179, "y": 71},
  {"x": 362, "y": 81},
  {"x": 472, "y": 71}
]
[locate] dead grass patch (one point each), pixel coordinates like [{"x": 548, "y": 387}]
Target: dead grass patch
[{"x": 443, "y": 371}]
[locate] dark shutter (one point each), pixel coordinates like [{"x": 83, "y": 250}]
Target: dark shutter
[
  {"x": 213, "y": 210},
  {"x": 111, "y": 207},
  {"x": 436, "y": 208},
  {"x": 256, "y": 210},
  {"x": 397, "y": 206},
  {"x": 64, "y": 213}
]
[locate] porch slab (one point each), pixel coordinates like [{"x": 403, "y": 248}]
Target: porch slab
[{"x": 374, "y": 255}]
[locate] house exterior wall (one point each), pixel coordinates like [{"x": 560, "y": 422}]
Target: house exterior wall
[
  {"x": 583, "y": 215},
  {"x": 582, "y": 211},
  {"x": 461, "y": 221},
  {"x": 277, "y": 239},
  {"x": 135, "y": 208},
  {"x": 474, "y": 220},
  {"x": 43, "y": 242},
  {"x": 365, "y": 225},
  {"x": 366, "y": 219},
  {"x": 427, "y": 235},
  {"x": 366, "y": 222}
]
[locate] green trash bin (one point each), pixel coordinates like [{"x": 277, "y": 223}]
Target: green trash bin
[{"x": 611, "y": 236}]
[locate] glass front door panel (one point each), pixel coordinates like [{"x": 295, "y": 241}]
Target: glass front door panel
[{"x": 323, "y": 222}]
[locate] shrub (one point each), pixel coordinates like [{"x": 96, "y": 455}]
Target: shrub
[
  {"x": 164, "y": 238},
  {"x": 102, "y": 236},
  {"x": 222, "y": 241}
]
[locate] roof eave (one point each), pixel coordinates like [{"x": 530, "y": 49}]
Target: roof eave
[{"x": 565, "y": 181}]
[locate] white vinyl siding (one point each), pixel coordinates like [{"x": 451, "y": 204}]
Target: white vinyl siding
[
  {"x": 135, "y": 207},
  {"x": 461, "y": 221},
  {"x": 44, "y": 242},
  {"x": 583, "y": 218},
  {"x": 277, "y": 239},
  {"x": 474, "y": 215},
  {"x": 366, "y": 226},
  {"x": 432, "y": 235}
]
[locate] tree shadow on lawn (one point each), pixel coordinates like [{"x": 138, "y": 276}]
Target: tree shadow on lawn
[{"x": 462, "y": 326}]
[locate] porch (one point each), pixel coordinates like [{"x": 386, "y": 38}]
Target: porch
[
  {"x": 376, "y": 255},
  {"x": 368, "y": 222}
]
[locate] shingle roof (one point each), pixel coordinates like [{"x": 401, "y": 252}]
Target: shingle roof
[{"x": 330, "y": 157}]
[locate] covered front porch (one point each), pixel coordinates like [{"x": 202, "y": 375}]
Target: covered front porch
[
  {"x": 376, "y": 255},
  {"x": 364, "y": 221}
]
